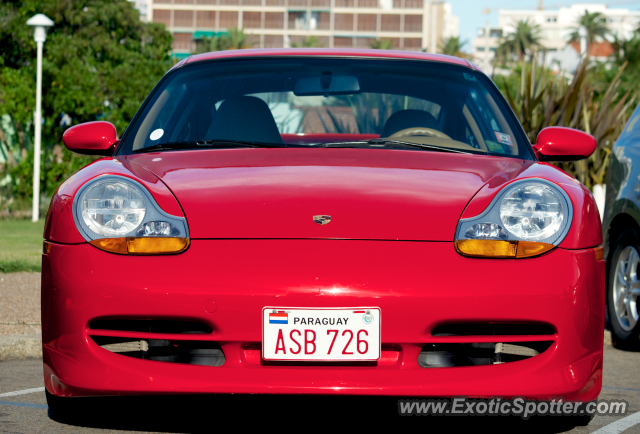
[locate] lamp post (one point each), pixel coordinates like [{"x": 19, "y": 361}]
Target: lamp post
[{"x": 40, "y": 22}]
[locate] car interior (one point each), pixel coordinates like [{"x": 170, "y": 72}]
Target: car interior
[{"x": 298, "y": 104}]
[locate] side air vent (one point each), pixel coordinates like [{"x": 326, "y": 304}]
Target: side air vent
[
  {"x": 490, "y": 329},
  {"x": 481, "y": 353},
  {"x": 150, "y": 326},
  {"x": 189, "y": 352}
]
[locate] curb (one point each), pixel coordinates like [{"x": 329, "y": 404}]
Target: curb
[{"x": 20, "y": 346}]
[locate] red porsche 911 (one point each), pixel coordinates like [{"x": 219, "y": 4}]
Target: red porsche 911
[{"x": 323, "y": 222}]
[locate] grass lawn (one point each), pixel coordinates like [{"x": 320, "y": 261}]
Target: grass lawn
[{"x": 20, "y": 245}]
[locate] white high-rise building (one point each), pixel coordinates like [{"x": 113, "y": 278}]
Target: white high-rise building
[
  {"x": 556, "y": 25},
  {"x": 451, "y": 23}
]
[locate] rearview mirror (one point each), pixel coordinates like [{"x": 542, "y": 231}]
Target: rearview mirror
[
  {"x": 327, "y": 84},
  {"x": 564, "y": 144},
  {"x": 91, "y": 138}
]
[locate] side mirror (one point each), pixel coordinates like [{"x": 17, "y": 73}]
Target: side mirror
[
  {"x": 564, "y": 144},
  {"x": 91, "y": 138}
]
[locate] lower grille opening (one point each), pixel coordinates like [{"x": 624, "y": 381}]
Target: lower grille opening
[
  {"x": 150, "y": 325},
  {"x": 489, "y": 329},
  {"x": 203, "y": 353},
  {"x": 474, "y": 354}
]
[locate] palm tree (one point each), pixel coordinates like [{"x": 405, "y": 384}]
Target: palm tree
[
  {"x": 526, "y": 37},
  {"x": 452, "y": 47},
  {"x": 382, "y": 44},
  {"x": 213, "y": 43},
  {"x": 309, "y": 42},
  {"x": 238, "y": 39},
  {"x": 596, "y": 25}
]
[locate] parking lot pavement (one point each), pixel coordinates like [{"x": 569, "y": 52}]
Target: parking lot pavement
[
  {"x": 20, "y": 327},
  {"x": 27, "y": 412},
  {"x": 20, "y": 307}
]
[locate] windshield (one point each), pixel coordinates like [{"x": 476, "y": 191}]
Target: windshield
[{"x": 327, "y": 102}]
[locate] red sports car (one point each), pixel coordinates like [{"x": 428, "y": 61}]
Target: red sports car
[{"x": 346, "y": 222}]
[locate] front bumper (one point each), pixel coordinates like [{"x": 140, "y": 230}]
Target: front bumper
[{"x": 417, "y": 285}]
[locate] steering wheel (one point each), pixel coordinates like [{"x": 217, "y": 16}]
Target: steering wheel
[{"x": 419, "y": 131}]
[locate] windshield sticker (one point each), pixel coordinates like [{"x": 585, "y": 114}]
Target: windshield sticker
[
  {"x": 503, "y": 138},
  {"x": 494, "y": 146},
  {"x": 156, "y": 134}
]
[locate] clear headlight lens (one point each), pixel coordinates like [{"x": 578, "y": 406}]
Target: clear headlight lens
[
  {"x": 532, "y": 211},
  {"x": 112, "y": 208},
  {"x": 157, "y": 229},
  {"x": 486, "y": 231}
]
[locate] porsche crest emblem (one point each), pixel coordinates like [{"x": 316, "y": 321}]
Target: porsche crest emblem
[{"x": 321, "y": 219}]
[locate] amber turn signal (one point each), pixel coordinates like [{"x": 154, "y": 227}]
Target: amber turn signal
[
  {"x": 527, "y": 249},
  {"x": 599, "y": 251},
  {"x": 501, "y": 249},
  {"x": 113, "y": 245},
  {"x": 142, "y": 245}
]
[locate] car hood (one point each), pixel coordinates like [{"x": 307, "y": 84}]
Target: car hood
[{"x": 370, "y": 194}]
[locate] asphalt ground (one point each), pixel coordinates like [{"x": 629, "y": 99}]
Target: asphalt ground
[
  {"x": 19, "y": 304},
  {"x": 27, "y": 413}
]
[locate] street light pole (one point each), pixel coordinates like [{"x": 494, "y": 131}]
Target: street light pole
[{"x": 40, "y": 22}]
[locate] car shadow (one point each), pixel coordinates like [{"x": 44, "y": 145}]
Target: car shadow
[{"x": 178, "y": 414}]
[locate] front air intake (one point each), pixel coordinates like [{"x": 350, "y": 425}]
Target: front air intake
[
  {"x": 150, "y": 325},
  {"x": 160, "y": 340},
  {"x": 449, "y": 355},
  {"x": 491, "y": 329},
  {"x": 203, "y": 353}
]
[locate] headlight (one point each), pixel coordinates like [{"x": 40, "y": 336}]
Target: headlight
[
  {"x": 532, "y": 211},
  {"x": 119, "y": 215},
  {"x": 527, "y": 218},
  {"x": 112, "y": 208}
]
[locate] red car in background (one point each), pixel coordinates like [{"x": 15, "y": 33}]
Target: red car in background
[{"x": 347, "y": 222}]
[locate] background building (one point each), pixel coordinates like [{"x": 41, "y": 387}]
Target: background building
[
  {"x": 409, "y": 24},
  {"x": 141, "y": 5},
  {"x": 556, "y": 25}
]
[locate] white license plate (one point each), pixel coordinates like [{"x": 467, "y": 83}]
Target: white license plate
[{"x": 331, "y": 334}]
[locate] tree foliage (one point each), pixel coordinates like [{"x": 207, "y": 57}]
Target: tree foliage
[
  {"x": 596, "y": 25},
  {"x": 238, "y": 39},
  {"x": 546, "y": 100},
  {"x": 525, "y": 38},
  {"x": 452, "y": 46},
  {"x": 99, "y": 63},
  {"x": 212, "y": 43},
  {"x": 309, "y": 42},
  {"x": 382, "y": 44},
  {"x": 626, "y": 52},
  {"x": 233, "y": 39}
]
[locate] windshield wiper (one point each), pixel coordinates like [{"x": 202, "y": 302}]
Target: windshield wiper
[
  {"x": 396, "y": 142},
  {"x": 208, "y": 144}
]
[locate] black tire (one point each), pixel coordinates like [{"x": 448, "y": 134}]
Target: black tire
[{"x": 621, "y": 337}]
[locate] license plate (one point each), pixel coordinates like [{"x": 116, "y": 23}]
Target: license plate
[{"x": 319, "y": 334}]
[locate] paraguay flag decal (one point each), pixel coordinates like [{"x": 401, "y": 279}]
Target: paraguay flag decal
[{"x": 279, "y": 317}]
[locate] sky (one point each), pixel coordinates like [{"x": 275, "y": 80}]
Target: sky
[{"x": 472, "y": 18}]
